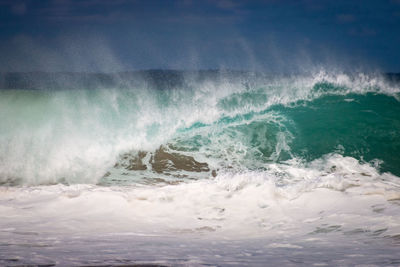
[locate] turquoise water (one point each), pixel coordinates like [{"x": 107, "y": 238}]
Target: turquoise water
[
  {"x": 77, "y": 135},
  {"x": 199, "y": 169},
  {"x": 365, "y": 127}
]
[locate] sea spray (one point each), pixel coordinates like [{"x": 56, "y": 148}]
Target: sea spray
[
  {"x": 192, "y": 168},
  {"x": 227, "y": 120}
]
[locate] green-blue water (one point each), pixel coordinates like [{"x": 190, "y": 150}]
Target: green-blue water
[
  {"x": 226, "y": 121},
  {"x": 199, "y": 168},
  {"x": 366, "y": 127}
]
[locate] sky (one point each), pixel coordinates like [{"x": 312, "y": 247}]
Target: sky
[{"x": 269, "y": 35}]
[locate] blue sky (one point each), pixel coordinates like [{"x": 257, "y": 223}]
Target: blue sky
[{"x": 269, "y": 35}]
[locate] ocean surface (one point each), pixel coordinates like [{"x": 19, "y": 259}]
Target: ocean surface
[{"x": 199, "y": 168}]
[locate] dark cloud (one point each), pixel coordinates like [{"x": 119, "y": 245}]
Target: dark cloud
[
  {"x": 346, "y": 18},
  {"x": 19, "y": 8},
  {"x": 363, "y": 32},
  {"x": 258, "y": 34},
  {"x": 227, "y": 4}
]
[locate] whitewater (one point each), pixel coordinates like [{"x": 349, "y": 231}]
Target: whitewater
[{"x": 199, "y": 168}]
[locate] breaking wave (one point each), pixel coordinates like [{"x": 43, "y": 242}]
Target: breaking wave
[{"x": 169, "y": 127}]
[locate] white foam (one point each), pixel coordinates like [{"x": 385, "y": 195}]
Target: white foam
[
  {"x": 289, "y": 199},
  {"x": 75, "y": 136}
]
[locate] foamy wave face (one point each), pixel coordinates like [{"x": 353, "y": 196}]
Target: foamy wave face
[
  {"x": 74, "y": 136},
  {"x": 226, "y": 121},
  {"x": 332, "y": 194}
]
